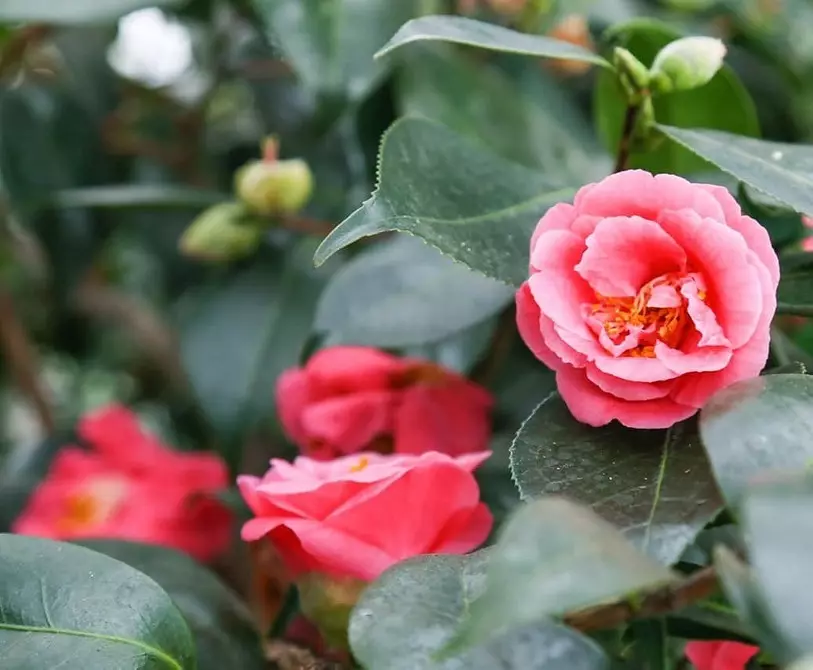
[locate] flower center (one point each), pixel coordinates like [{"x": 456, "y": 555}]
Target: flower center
[
  {"x": 92, "y": 505},
  {"x": 633, "y": 325}
]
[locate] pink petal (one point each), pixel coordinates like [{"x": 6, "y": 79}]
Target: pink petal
[
  {"x": 636, "y": 192},
  {"x": 721, "y": 255},
  {"x": 558, "y": 217},
  {"x": 346, "y": 369},
  {"x": 560, "y": 297},
  {"x": 624, "y": 253},
  {"x": 589, "y": 404},
  {"x": 464, "y": 531},
  {"x": 293, "y": 395},
  {"x": 529, "y": 325},
  {"x": 756, "y": 237},
  {"x": 720, "y": 654},
  {"x": 447, "y": 417},
  {"x": 635, "y": 368},
  {"x": 693, "y": 359},
  {"x": 703, "y": 318},
  {"x": 349, "y": 423},
  {"x": 627, "y": 390}
]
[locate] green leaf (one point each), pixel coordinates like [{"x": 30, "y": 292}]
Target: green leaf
[
  {"x": 460, "y": 30},
  {"x": 240, "y": 333},
  {"x": 639, "y": 480},
  {"x": 129, "y": 196},
  {"x": 470, "y": 204},
  {"x": 778, "y": 518},
  {"x": 331, "y": 43},
  {"x": 63, "y": 602},
  {"x": 524, "y": 117},
  {"x": 782, "y": 171},
  {"x": 553, "y": 557},
  {"x": 429, "y": 596},
  {"x": 757, "y": 426},
  {"x": 75, "y": 11},
  {"x": 388, "y": 296},
  {"x": 224, "y": 633},
  {"x": 723, "y": 103}
]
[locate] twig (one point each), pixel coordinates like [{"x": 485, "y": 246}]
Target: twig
[
  {"x": 796, "y": 310},
  {"x": 697, "y": 586},
  {"x": 21, "y": 357},
  {"x": 14, "y": 50},
  {"x": 500, "y": 347},
  {"x": 287, "y": 656},
  {"x": 627, "y": 130}
]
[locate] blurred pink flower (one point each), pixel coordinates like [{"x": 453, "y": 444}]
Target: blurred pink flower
[
  {"x": 347, "y": 399},
  {"x": 720, "y": 654},
  {"x": 646, "y": 296},
  {"x": 358, "y": 515},
  {"x": 129, "y": 486},
  {"x": 807, "y": 242}
]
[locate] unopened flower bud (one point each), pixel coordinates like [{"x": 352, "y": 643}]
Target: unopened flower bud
[
  {"x": 632, "y": 74},
  {"x": 686, "y": 63},
  {"x": 274, "y": 187},
  {"x": 327, "y": 602},
  {"x": 222, "y": 233}
]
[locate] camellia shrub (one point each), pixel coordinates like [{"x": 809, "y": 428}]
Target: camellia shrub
[{"x": 406, "y": 334}]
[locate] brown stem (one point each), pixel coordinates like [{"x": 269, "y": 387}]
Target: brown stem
[
  {"x": 14, "y": 50},
  {"x": 697, "y": 586},
  {"x": 307, "y": 226},
  {"x": 487, "y": 368},
  {"x": 287, "y": 656},
  {"x": 625, "y": 144},
  {"x": 21, "y": 357}
]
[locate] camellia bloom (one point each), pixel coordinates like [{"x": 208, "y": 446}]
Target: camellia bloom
[
  {"x": 358, "y": 515},
  {"x": 720, "y": 654},
  {"x": 646, "y": 296},
  {"x": 347, "y": 399},
  {"x": 129, "y": 486}
]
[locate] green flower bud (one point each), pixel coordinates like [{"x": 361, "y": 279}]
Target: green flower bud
[
  {"x": 274, "y": 187},
  {"x": 222, "y": 233},
  {"x": 327, "y": 602},
  {"x": 632, "y": 73},
  {"x": 686, "y": 63}
]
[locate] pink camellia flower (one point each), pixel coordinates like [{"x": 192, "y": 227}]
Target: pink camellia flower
[
  {"x": 807, "y": 242},
  {"x": 720, "y": 654},
  {"x": 347, "y": 399},
  {"x": 131, "y": 487},
  {"x": 646, "y": 296},
  {"x": 358, "y": 515}
]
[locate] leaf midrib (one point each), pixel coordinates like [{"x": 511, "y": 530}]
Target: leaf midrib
[{"x": 152, "y": 651}]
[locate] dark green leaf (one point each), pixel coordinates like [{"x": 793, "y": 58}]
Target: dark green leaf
[
  {"x": 783, "y": 171},
  {"x": 472, "y": 205},
  {"x": 62, "y": 602},
  {"x": 74, "y": 11},
  {"x": 554, "y": 557},
  {"x": 243, "y": 333},
  {"x": 778, "y": 519},
  {"x": 461, "y": 30},
  {"x": 526, "y": 120},
  {"x": 331, "y": 43},
  {"x": 428, "y": 597},
  {"x": 389, "y": 296},
  {"x": 757, "y": 426},
  {"x": 639, "y": 480},
  {"x": 220, "y": 623},
  {"x": 723, "y": 103}
]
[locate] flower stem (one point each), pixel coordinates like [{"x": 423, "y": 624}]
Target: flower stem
[{"x": 627, "y": 130}]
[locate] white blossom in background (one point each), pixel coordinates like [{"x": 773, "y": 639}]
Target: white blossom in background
[{"x": 157, "y": 51}]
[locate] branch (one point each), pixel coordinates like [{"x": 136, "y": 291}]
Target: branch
[
  {"x": 287, "y": 656},
  {"x": 697, "y": 586},
  {"x": 625, "y": 144},
  {"x": 21, "y": 357}
]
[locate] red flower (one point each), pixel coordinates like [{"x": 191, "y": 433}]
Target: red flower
[
  {"x": 130, "y": 486},
  {"x": 720, "y": 654},
  {"x": 347, "y": 399}
]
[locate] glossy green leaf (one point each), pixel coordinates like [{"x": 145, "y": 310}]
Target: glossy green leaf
[
  {"x": 60, "y": 602},
  {"x": 756, "y": 427},
  {"x": 239, "y": 334},
  {"x": 778, "y": 520},
  {"x": 723, "y": 103},
  {"x": 429, "y": 597},
  {"x": 482, "y": 216},
  {"x": 331, "y": 43},
  {"x": 555, "y": 556},
  {"x": 388, "y": 296},
  {"x": 75, "y": 11},
  {"x": 224, "y": 633},
  {"x": 461, "y": 30},
  {"x": 782, "y": 171},
  {"x": 639, "y": 480},
  {"x": 522, "y": 115}
]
